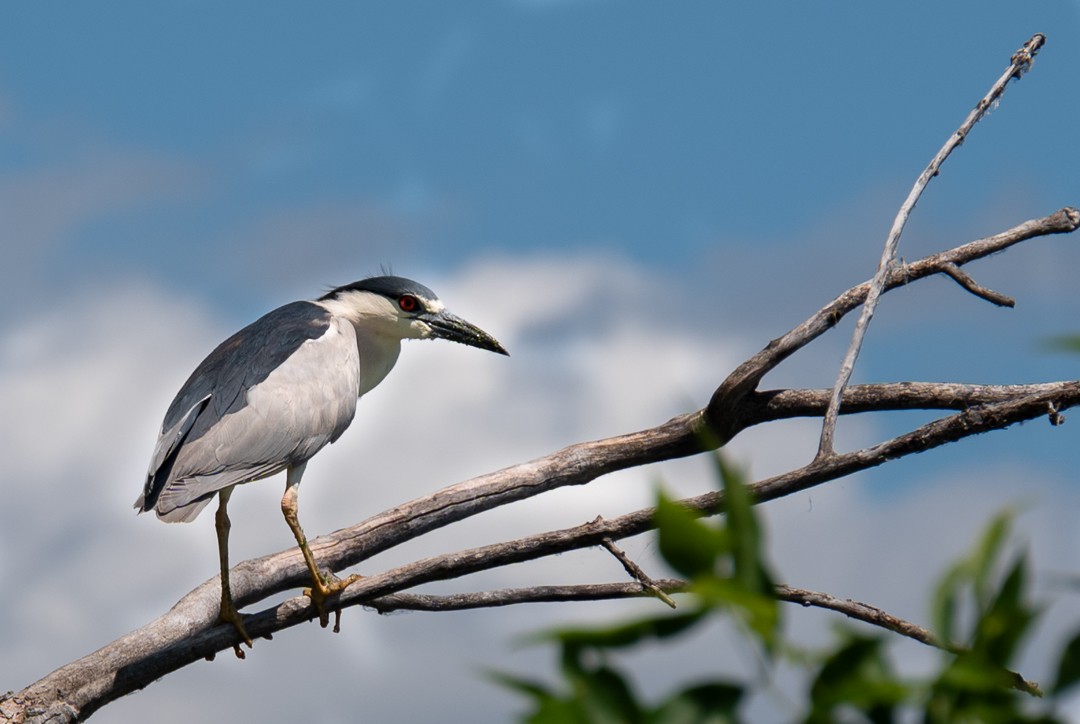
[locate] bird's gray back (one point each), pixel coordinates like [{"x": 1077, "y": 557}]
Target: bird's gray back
[
  {"x": 270, "y": 396},
  {"x": 244, "y": 360}
]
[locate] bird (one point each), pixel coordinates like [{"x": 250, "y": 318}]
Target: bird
[{"x": 272, "y": 395}]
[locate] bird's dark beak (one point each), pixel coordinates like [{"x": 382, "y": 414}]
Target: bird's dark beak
[{"x": 449, "y": 326}]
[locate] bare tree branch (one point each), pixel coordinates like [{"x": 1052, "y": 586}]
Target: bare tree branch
[
  {"x": 187, "y": 632},
  {"x": 1020, "y": 62},
  {"x": 856, "y": 610},
  {"x": 961, "y": 277},
  {"x": 746, "y": 377},
  {"x": 883, "y": 619},
  {"x": 636, "y": 572},
  {"x": 513, "y": 596}
]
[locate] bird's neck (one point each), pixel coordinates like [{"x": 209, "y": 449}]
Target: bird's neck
[
  {"x": 377, "y": 330},
  {"x": 378, "y": 355}
]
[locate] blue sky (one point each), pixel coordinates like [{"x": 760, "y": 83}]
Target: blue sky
[
  {"x": 621, "y": 192},
  {"x": 427, "y": 134}
]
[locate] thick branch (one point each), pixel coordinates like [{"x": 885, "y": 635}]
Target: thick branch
[
  {"x": 782, "y": 404},
  {"x": 187, "y": 632},
  {"x": 160, "y": 650},
  {"x": 513, "y": 596}
]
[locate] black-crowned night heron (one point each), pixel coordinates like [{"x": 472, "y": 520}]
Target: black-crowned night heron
[{"x": 275, "y": 393}]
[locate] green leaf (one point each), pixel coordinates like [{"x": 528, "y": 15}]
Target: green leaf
[
  {"x": 605, "y": 696},
  {"x": 558, "y": 711},
  {"x": 976, "y": 570},
  {"x": 1063, "y": 343},
  {"x": 746, "y": 538},
  {"x": 751, "y": 572},
  {"x": 945, "y": 603},
  {"x": 626, "y": 634},
  {"x": 533, "y": 689},
  {"x": 712, "y": 703},
  {"x": 687, "y": 543},
  {"x": 988, "y": 553},
  {"x": 1006, "y": 619},
  {"x": 1068, "y": 672},
  {"x": 971, "y": 674},
  {"x": 550, "y": 708},
  {"x": 856, "y": 676},
  {"x": 760, "y": 611}
]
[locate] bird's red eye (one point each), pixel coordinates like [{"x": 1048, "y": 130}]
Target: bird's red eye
[{"x": 408, "y": 303}]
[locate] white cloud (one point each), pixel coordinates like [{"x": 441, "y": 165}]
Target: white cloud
[{"x": 84, "y": 390}]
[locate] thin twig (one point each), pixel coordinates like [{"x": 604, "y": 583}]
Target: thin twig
[
  {"x": 635, "y": 571},
  {"x": 1021, "y": 62},
  {"x": 594, "y": 592},
  {"x": 964, "y": 279},
  {"x": 856, "y": 610},
  {"x": 863, "y": 612},
  {"x": 722, "y": 414},
  {"x": 883, "y": 619}
]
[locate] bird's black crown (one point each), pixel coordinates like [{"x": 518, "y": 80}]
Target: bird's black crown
[{"x": 388, "y": 286}]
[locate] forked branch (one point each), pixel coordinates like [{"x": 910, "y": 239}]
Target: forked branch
[
  {"x": 1019, "y": 64},
  {"x": 188, "y": 632}
]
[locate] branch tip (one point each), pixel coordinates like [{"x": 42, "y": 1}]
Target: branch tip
[
  {"x": 1023, "y": 58},
  {"x": 1072, "y": 216},
  {"x": 635, "y": 570},
  {"x": 964, "y": 279},
  {"x": 1021, "y": 62}
]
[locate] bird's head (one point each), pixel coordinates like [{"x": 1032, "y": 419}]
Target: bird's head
[{"x": 403, "y": 309}]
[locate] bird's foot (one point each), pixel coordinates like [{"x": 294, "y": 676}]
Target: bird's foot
[
  {"x": 229, "y": 614},
  {"x": 325, "y": 589}
]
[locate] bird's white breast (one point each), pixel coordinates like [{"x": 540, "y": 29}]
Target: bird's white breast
[{"x": 311, "y": 398}]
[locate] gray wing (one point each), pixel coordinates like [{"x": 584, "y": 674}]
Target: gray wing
[{"x": 268, "y": 397}]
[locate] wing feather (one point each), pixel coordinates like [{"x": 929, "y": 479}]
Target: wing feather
[{"x": 268, "y": 397}]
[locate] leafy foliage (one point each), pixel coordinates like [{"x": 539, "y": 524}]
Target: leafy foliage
[
  {"x": 1064, "y": 343},
  {"x": 980, "y": 608},
  {"x": 856, "y": 676}
]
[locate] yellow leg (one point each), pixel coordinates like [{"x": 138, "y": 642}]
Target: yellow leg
[
  {"x": 321, "y": 588},
  {"x": 228, "y": 613}
]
